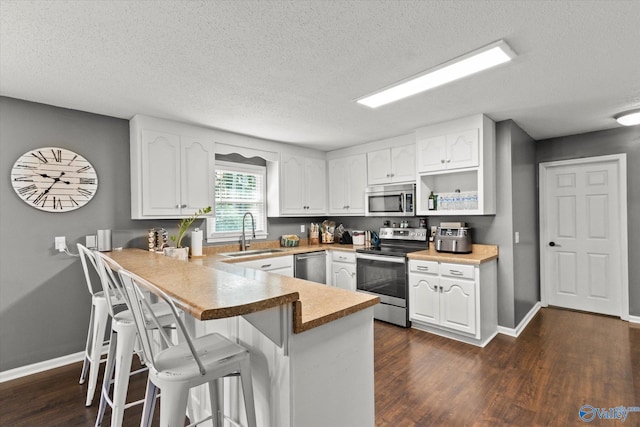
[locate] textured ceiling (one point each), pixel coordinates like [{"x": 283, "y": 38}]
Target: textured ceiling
[{"x": 289, "y": 70}]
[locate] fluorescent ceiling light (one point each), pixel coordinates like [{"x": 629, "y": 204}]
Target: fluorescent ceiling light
[
  {"x": 629, "y": 118},
  {"x": 473, "y": 62}
]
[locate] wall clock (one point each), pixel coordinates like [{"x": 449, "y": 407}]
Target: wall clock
[{"x": 54, "y": 179}]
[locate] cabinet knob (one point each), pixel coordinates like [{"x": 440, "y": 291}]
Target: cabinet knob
[
  {"x": 552, "y": 243},
  {"x": 177, "y": 206},
  {"x": 448, "y": 160},
  {"x": 183, "y": 206},
  {"x": 442, "y": 161}
]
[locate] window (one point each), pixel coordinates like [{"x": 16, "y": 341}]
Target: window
[{"x": 239, "y": 188}]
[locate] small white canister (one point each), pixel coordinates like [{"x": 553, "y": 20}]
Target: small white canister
[{"x": 358, "y": 237}]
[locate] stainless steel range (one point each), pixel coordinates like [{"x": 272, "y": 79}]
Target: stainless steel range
[{"x": 383, "y": 271}]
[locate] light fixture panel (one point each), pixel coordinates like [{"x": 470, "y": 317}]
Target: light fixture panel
[
  {"x": 480, "y": 59},
  {"x": 629, "y": 118}
]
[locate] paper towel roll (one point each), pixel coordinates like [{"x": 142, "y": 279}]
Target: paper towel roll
[{"x": 196, "y": 243}]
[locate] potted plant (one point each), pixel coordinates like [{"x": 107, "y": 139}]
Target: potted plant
[{"x": 184, "y": 224}]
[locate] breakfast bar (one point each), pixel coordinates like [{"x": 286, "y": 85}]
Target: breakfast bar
[{"x": 311, "y": 344}]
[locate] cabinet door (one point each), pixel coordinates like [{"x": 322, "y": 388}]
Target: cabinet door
[
  {"x": 462, "y": 149},
  {"x": 424, "y": 298},
  {"x": 458, "y": 304},
  {"x": 292, "y": 185},
  {"x": 431, "y": 153},
  {"x": 357, "y": 183},
  {"x": 343, "y": 276},
  {"x": 197, "y": 158},
  {"x": 379, "y": 167},
  {"x": 160, "y": 173},
  {"x": 338, "y": 186},
  {"x": 315, "y": 190},
  {"x": 403, "y": 163}
]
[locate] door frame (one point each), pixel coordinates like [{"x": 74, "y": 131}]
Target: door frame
[{"x": 621, "y": 160}]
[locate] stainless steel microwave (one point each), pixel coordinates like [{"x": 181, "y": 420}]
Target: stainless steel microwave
[{"x": 390, "y": 200}]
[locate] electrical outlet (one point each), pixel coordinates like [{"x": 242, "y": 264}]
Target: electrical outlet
[
  {"x": 61, "y": 243},
  {"x": 302, "y": 228},
  {"x": 90, "y": 241}
]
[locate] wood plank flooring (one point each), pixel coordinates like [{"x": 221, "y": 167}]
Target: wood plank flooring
[{"x": 562, "y": 360}]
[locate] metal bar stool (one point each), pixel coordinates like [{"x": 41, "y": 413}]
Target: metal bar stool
[
  {"x": 191, "y": 363},
  {"x": 122, "y": 343},
  {"x": 97, "y": 325}
]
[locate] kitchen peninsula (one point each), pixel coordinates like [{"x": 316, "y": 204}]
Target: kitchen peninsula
[{"x": 311, "y": 345}]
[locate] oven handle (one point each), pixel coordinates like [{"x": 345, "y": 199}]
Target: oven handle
[{"x": 396, "y": 259}]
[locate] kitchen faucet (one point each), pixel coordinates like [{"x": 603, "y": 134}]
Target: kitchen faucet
[{"x": 243, "y": 243}]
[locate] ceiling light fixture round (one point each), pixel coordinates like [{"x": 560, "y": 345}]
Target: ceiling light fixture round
[{"x": 629, "y": 118}]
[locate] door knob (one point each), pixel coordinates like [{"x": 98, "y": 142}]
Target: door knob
[{"x": 552, "y": 243}]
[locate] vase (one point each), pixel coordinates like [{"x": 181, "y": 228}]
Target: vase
[{"x": 177, "y": 253}]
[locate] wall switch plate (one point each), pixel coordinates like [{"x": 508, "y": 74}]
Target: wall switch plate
[
  {"x": 517, "y": 238},
  {"x": 302, "y": 228},
  {"x": 61, "y": 243},
  {"x": 91, "y": 242}
]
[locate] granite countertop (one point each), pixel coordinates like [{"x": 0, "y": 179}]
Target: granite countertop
[
  {"x": 479, "y": 254},
  {"x": 209, "y": 289}
]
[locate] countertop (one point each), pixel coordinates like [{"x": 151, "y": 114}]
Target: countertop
[
  {"x": 209, "y": 289},
  {"x": 479, "y": 254}
]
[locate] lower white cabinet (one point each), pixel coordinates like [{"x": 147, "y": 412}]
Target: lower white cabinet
[
  {"x": 454, "y": 300},
  {"x": 343, "y": 270},
  {"x": 279, "y": 265}
]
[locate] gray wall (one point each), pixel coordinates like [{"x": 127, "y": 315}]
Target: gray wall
[
  {"x": 44, "y": 303},
  {"x": 612, "y": 141}
]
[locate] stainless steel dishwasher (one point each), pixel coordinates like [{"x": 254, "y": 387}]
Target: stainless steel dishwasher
[{"x": 311, "y": 266}]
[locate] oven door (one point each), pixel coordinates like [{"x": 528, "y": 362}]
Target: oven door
[{"x": 383, "y": 276}]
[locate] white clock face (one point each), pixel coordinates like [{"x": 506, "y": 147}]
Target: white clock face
[{"x": 54, "y": 179}]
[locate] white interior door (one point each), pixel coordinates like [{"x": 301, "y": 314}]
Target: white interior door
[{"x": 581, "y": 235}]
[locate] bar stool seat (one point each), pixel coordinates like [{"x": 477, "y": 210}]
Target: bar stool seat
[{"x": 192, "y": 362}]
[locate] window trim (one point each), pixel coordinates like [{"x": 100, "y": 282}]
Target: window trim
[{"x": 235, "y": 236}]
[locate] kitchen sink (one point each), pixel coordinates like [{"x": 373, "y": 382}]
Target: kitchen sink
[{"x": 252, "y": 252}]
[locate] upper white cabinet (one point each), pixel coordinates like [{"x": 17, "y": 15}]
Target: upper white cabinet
[
  {"x": 391, "y": 165},
  {"x": 456, "y": 161},
  {"x": 303, "y": 186},
  {"x": 446, "y": 152},
  {"x": 347, "y": 183},
  {"x": 172, "y": 173}
]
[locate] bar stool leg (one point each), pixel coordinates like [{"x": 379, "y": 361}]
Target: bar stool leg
[
  {"x": 99, "y": 327},
  {"x": 150, "y": 396},
  {"x": 124, "y": 355},
  {"x": 108, "y": 374},
  {"x": 88, "y": 346},
  {"x": 173, "y": 405},
  {"x": 247, "y": 392}
]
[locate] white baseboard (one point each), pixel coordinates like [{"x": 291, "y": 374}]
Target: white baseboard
[
  {"x": 634, "y": 319},
  {"x": 45, "y": 365},
  {"x": 515, "y": 332}
]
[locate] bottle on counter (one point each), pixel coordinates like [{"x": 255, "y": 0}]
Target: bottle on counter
[{"x": 433, "y": 202}]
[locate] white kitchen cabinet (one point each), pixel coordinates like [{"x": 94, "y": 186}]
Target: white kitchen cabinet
[
  {"x": 456, "y": 161},
  {"x": 279, "y": 265},
  {"x": 347, "y": 183},
  {"x": 172, "y": 173},
  {"x": 391, "y": 165},
  {"x": 454, "y": 300},
  {"x": 445, "y": 152},
  {"x": 303, "y": 186},
  {"x": 343, "y": 270}
]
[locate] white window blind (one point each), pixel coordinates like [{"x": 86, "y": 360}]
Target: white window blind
[{"x": 239, "y": 188}]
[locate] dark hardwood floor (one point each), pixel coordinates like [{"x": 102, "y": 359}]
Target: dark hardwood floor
[{"x": 562, "y": 360}]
